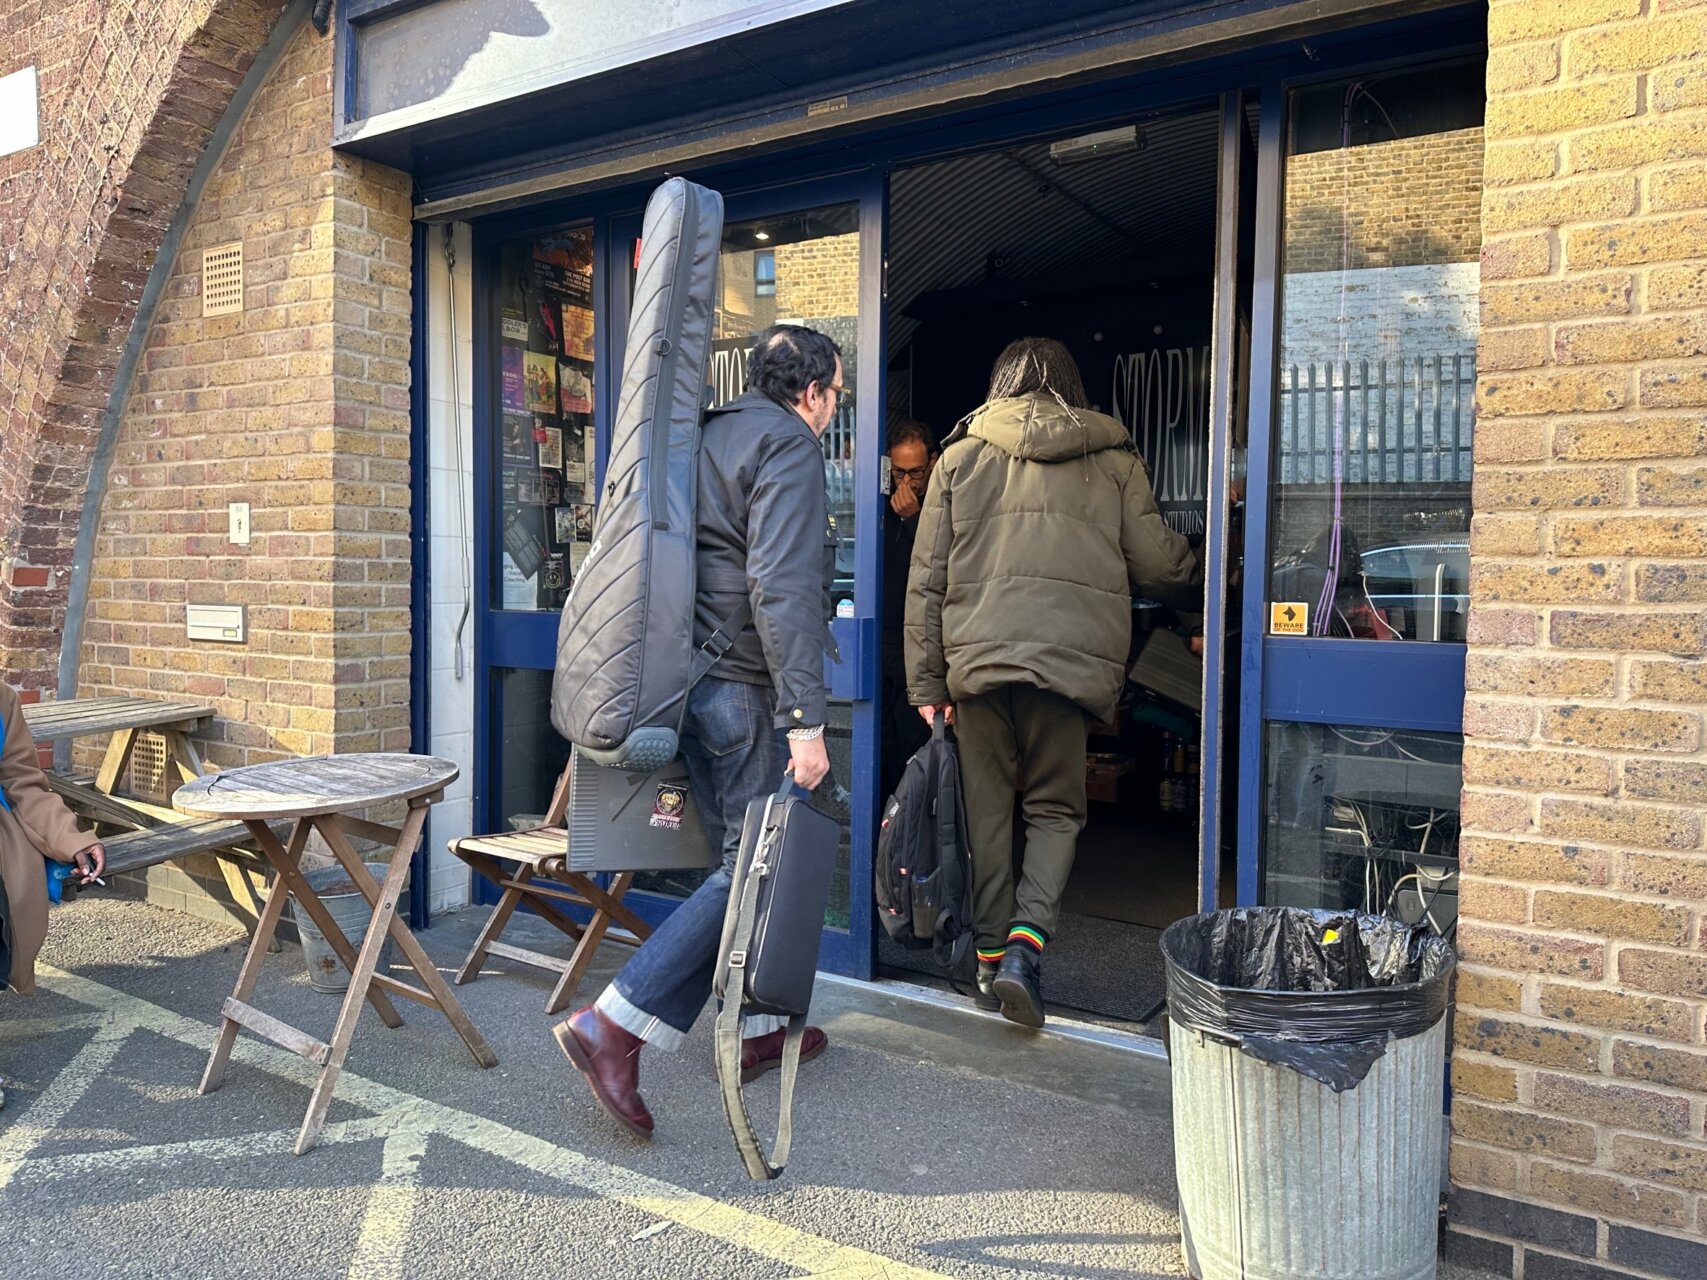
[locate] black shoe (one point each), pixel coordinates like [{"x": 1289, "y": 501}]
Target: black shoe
[
  {"x": 1017, "y": 985},
  {"x": 985, "y": 997}
]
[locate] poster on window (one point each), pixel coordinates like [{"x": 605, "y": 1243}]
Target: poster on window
[
  {"x": 545, "y": 327},
  {"x": 574, "y": 389},
  {"x": 550, "y": 441},
  {"x": 564, "y": 266},
  {"x": 514, "y": 326},
  {"x": 578, "y": 333},
  {"x": 519, "y": 591},
  {"x": 541, "y": 377},
  {"x": 513, "y": 380}
]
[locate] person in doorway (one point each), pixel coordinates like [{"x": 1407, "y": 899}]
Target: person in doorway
[
  {"x": 912, "y": 454},
  {"x": 35, "y": 828},
  {"x": 1037, "y": 526},
  {"x": 761, "y": 712}
]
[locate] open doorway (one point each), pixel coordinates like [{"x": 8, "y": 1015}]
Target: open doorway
[{"x": 1106, "y": 241}]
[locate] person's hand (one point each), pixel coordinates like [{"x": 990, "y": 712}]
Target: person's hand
[
  {"x": 1196, "y": 643},
  {"x": 91, "y": 862},
  {"x": 904, "y": 501},
  {"x": 809, "y": 761},
  {"x": 928, "y": 712}
]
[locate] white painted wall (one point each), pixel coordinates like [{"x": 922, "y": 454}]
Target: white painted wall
[{"x": 450, "y": 520}]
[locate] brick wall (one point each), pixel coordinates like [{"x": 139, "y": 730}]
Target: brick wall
[
  {"x": 818, "y": 277},
  {"x": 1579, "y": 1148},
  {"x": 130, "y": 93},
  {"x": 297, "y": 405},
  {"x": 1417, "y": 200}
]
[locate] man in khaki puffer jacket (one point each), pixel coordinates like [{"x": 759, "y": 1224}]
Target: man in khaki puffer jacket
[{"x": 1038, "y": 525}]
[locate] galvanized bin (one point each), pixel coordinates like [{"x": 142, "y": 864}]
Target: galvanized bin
[{"x": 1307, "y": 1139}]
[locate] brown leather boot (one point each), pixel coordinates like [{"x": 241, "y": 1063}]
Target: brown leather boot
[
  {"x": 760, "y": 1054},
  {"x": 609, "y": 1057}
]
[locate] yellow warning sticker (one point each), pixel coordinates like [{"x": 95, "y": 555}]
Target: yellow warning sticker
[
  {"x": 1330, "y": 936},
  {"x": 1288, "y": 618}
]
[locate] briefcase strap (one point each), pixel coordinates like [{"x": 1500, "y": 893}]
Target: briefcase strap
[{"x": 760, "y": 1167}]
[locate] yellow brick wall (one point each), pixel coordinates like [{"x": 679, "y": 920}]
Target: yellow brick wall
[
  {"x": 818, "y": 279},
  {"x": 1387, "y": 204},
  {"x": 298, "y": 406},
  {"x": 1580, "y": 1075}
]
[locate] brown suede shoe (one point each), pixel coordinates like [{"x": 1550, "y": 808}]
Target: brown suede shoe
[
  {"x": 764, "y": 1053},
  {"x": 609, "y": 1057}
]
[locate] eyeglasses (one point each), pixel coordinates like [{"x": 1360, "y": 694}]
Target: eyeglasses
[
  {"x": 911, "y": 473},
  {"x": 844, "y": 395}
]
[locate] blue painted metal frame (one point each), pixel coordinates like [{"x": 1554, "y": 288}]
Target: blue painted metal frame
[
  {"x": 1409, "y": 685},
  {"x": 1265, "y": 362},
  {"x": 420, "y": 567}
]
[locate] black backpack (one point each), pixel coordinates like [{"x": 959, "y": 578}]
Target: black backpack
[{"x": 924, "y": 868}]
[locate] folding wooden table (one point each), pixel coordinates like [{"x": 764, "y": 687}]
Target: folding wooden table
[{"x": 323, "y": 793}]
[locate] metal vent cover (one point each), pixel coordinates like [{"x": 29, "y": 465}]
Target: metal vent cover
[
  {"x": 222, "y": 279},
  {"x": 148, "y": 779}
]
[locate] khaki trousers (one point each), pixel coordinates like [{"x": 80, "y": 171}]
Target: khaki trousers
[{"x": 1025, "y": 737}]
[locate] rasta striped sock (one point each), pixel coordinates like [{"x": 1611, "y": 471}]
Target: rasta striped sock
[
  {"x": 1025, "y": 933},
  {"x": 991, "y": 957}
]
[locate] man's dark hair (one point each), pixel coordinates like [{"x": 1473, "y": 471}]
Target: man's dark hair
[
  {"x": 1038, "y": 364},
  {"x": 788, "y": 358},
  {"x": 908, "y": 431}
]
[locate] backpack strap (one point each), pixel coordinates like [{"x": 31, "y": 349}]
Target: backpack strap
[
  {"x": 718, "y": 643},
  {"x": 748, "y": 878}
]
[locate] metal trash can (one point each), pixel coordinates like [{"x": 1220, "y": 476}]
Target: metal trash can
[
  {"x": 350, "y": 910},
  {"x": 1309, "y": 1053}
]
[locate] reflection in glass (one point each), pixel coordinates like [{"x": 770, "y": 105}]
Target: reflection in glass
[
  {"x": 1363, "y": 818},
  {"x": 530, "y": 753},
  {"x": 1376, "y": 414},
  {"x": 797, "y": 268},
  {"x": 545, "y": 418}
]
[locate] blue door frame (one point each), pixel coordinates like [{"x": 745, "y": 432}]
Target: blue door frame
[
  {"x": 1308, "y": 680},
  {"x": 508, "y": 639}
]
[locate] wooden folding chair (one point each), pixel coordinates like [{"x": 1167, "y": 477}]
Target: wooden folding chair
[{"x": 531, "y": 866}]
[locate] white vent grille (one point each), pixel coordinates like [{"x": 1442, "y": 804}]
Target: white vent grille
[{"x": 222, "y": 279}]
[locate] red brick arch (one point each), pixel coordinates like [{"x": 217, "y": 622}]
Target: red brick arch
[{"x": 131, "y": 93}]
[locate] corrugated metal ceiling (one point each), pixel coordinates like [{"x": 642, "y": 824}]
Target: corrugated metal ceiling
[{"x": 1013, "y": 215}]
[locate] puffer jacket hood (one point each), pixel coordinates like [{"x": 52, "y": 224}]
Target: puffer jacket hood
[
  {"x": 1038, "y": 523},
  {"x": 1039, "y": 428}
]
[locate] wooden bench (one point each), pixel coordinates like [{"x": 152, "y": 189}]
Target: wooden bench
[
  {"x": 531, "y": 866},
  {"x": 145, "y": 847}
]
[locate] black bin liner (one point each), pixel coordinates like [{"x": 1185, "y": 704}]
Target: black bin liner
[{"x": 1321, "y": 992}]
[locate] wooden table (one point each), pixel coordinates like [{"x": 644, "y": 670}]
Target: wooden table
[{"x": 322, "y": 793}]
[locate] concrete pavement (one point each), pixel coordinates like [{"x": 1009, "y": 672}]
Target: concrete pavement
[{"x": 927, "y": 1142}]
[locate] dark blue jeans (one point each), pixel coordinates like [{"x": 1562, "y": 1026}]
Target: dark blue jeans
[{"x": 733, "y": 756}]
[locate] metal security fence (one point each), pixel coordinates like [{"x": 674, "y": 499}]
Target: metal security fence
[{"x": 1402, "y": 421}]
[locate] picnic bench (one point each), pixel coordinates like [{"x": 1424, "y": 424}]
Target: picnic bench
[{"x": 138, "y": 833}]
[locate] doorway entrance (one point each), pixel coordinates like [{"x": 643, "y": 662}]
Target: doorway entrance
[{"x": 1106, "y": 241}]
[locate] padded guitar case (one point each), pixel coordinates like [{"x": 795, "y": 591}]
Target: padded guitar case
[{"x": 625, "y": 651}]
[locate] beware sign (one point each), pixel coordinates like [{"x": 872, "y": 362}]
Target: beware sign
[{"x": 1289, "y": 618}]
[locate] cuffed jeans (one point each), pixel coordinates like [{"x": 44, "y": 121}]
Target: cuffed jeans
[{"x": 733, "y": 756}]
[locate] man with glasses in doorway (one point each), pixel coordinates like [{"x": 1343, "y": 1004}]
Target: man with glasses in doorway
[
  {"x": 912, "y": 455},
  {"x": 762, "y": 533}
]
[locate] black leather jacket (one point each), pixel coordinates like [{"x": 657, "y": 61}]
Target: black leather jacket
[{"x": 763, "y": 523}]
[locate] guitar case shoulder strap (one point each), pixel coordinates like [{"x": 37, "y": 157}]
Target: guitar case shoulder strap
[{"x": 749, "y": 877}]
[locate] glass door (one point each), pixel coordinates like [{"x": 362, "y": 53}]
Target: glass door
[
  {"x": 811, "y": 255},
  {"x": 1360, "y": 509}
]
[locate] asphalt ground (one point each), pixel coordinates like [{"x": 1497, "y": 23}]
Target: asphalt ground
[{"x": 928, "y": 1142}]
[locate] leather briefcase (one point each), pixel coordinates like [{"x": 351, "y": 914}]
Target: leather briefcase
[{"x": 769, "y": 954}]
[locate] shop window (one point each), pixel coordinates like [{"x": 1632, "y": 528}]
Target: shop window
[
  {"x": 1363, "y": 818},
  {"x": 544, "y": 441},
  {"x": 1375, "y": 419}
]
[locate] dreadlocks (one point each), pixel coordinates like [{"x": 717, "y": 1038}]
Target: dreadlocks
[{"x": 1038, "y": 364}]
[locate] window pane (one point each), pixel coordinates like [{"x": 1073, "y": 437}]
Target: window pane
[
  {"x": 1363, "y": 818},
  {"x": 1376, "y": 405},
  {"x": 530, "y": 753},
  {"x": 544, "y": 447}
]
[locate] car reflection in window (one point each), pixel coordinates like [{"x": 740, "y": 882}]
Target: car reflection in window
[{"x": 1422, "y": 588}]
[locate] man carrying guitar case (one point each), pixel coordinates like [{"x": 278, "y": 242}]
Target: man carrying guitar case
[{"x": 699, "y": 623}]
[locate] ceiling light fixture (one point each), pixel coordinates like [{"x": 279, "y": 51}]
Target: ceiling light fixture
[
  {"x": 761, "y": 235},
  {"x": 1093, "y": 146}
]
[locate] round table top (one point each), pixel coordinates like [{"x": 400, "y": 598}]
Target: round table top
[{"x": 314, "y": 785}]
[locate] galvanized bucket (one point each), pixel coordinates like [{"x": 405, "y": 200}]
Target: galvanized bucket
[{"x": 351, "y": 912}]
